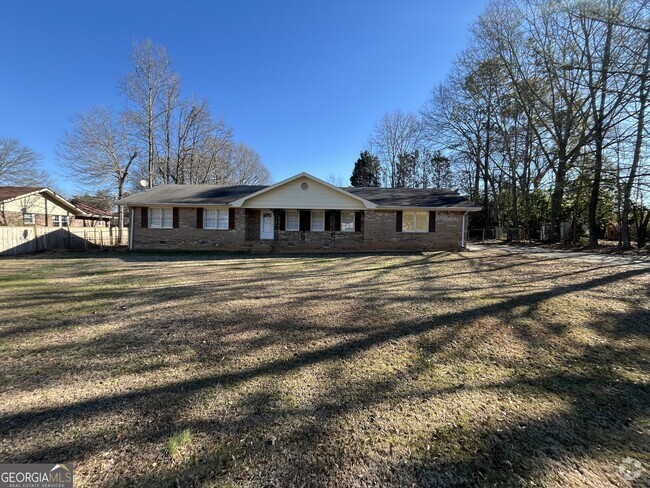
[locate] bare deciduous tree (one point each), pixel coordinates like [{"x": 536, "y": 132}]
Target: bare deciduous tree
[
  {"x": 145, "y": 86},
  {"x": 19, "y": 165},
  {"x": 396, "y": 135},
  {"x": 97, "y": 150}
]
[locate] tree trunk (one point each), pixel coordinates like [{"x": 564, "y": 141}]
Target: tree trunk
[
  {"x": 515, "y": 209},
  {"x": 558, "y": 195},
  {"x": 642, "y": 228},
  {"x": 643, "y": 99},
  {"x": 599, "y": 135},
  {"x": 120, "y": 218},
  {"x": 486, "y": 200},
  {"x": 595, "y": 189}
]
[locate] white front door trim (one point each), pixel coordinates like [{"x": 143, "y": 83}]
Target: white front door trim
[{"x": 266, "y": 224}]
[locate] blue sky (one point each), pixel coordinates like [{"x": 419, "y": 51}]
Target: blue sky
[{"x": 302, "y": 82}]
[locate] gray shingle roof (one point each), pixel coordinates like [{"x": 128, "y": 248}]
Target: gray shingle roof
[
  {"x": 411, "y": 197},
  {"x": 189, "y": 195}
]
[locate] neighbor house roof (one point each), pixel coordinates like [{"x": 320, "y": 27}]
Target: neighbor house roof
[
  {"x": 15, "y": 192},
  {"x": 90, "y": 210},
  {"x": 12, "y": 192}
]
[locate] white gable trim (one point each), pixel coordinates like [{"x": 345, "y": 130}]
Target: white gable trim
[
  {"x": 363, "y": 201},
  {"x": 62, "y": 202}
]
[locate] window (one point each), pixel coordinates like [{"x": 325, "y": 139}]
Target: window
[
  {"x": 161, "y": 218},
  {"x": 415, "y": 221},
  {"x": 215, "y": 218},
  {"x": 347, "y": 221},
  {"x": 29, "y": 219},
  {"x": 293, "y": 220},
  {"x": 59, "y": 220},
  {"x": 317, "y": 220}
]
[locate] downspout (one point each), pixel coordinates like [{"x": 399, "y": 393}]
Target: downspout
[
  {"x": 132, "y": 214},
  {"x": 462, "y": 232}
]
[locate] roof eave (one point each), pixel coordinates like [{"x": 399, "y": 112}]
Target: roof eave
[
  {"x": 438, "y": 208},
  {"x": 23, "y": 195},
  {"x": 170, "y": 204}
]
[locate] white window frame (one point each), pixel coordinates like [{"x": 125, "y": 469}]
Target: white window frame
[
  {"x": 322, "y": 226},
  {"x": 29, "y": 218},
  {"x": 347, "y": 226},
  {"x": 216, "y": 218},
  {"x": 410, "y": 217},
  {"x": 287, "y": 224},
  {"x": 161, "y": 221},
  {"x": 60, "y": 221}
]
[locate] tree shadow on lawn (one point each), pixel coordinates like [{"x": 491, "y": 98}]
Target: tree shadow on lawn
[{"x": 601, "y": 409}]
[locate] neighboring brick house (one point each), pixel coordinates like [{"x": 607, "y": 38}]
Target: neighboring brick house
[
  {"x": 26, "y": 205},
  {"x": 301, "y": 213}
]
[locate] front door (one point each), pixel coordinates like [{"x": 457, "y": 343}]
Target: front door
[{"x": 266, "y": 225}]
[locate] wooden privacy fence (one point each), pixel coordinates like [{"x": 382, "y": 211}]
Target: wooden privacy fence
[{"x": 22, "y": 240}]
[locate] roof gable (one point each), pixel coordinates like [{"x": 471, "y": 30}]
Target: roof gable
[
  {"x": 303, "y": 191},
  {"x": 12, "y": 193}
]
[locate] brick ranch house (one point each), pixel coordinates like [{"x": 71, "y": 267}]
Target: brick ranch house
[
  {"x": 301, "y": 213},
  {"x": 27, "y": 205}
]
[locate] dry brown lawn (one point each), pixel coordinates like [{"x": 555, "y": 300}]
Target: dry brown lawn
[{"x": 434, "y": 369}]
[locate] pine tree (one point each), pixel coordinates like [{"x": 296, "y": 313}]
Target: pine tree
[{"x": 366, "y": 170}]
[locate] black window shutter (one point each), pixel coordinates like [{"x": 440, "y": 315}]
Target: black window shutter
[
  {"x": 398, "y": 221},
  {"x": 432, "y": 221},
  {"x": 144, "y": 217},
  {"x": 283, "y": 220},
  {"x": 175, "y": 217},
  {"x": 305, "y": 220},
  {"x": 357, "y": 221},
  {"x": 337, "y": 220},
  {"x": 231, "y": 218},
  {"x": 199, "y": 218},
  {"x": 328, "y": 220}
]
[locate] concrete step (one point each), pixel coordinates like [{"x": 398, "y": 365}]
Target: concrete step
[{"x": 261, "y": 247}]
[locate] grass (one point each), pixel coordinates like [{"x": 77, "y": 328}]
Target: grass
[
  {"x": 177, "y": 443},
  {"x": 436, "y": 369}
]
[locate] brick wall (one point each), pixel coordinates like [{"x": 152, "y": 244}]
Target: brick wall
[
  {"x": 252, "y": 224},
  {"x": 378, "y": 233},
  {"x": 188, "y": 237},
  {"x": 10, "y": 218},
  {"x": 314, "y": 241}
]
